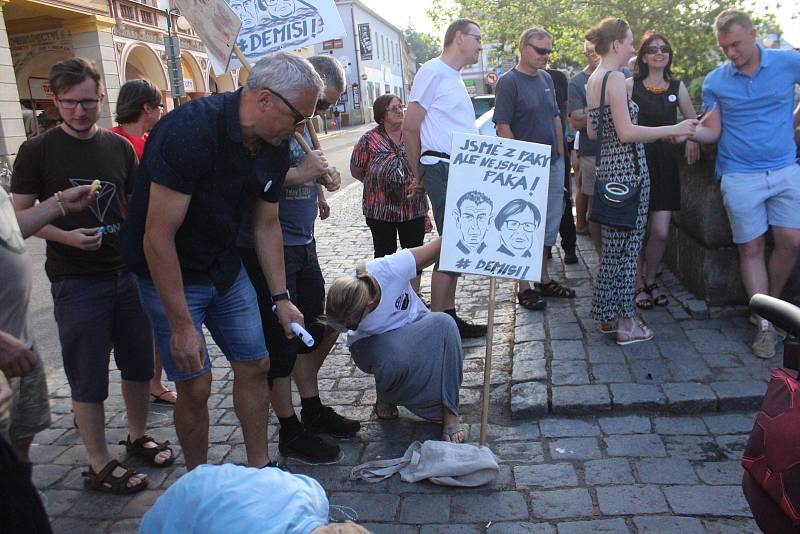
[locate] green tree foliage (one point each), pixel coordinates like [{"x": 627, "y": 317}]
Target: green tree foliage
[
  {"x": 686, "y": 23},
  {"x": 424, "y": 45}
]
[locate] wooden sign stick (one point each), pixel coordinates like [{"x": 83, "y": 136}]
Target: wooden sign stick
[
  {"x": 325, "y": 179},
  {"x": 487, "y": 363}
]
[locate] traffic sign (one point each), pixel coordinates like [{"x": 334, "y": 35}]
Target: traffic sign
[{"x": 491, "y": 78}]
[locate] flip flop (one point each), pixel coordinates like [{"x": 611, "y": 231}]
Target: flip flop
[{"x": 159, "y": 399}]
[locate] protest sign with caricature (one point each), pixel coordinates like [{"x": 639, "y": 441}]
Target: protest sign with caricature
[
  {"x": 217, "y": 25},
  {"x": 496, "y": 207},
  {"x": 272, "y": 25}
]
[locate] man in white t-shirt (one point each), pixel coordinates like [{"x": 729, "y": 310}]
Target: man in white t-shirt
[{"x": 438, "y": 106}]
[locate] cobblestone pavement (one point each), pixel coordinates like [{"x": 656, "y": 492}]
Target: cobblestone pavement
[{"x": 591, "y": 437}]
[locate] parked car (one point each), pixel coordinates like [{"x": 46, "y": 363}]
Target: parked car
[
  {"x": 485, "y": 124},
  {"x": 482, "y": 104}
]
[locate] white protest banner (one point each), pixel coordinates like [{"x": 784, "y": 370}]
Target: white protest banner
[
  {"x": 217, "y": 25},
  {"x": 496, "y": 207},
  {"x": 272, "y": 25}
]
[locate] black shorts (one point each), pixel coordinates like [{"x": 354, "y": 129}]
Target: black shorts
[
  {"x": 93, "y": 314},
  {"x": 307, "y": 288}
]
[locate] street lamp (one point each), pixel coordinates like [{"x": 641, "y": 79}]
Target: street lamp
[{"x": 173, "y": 47}]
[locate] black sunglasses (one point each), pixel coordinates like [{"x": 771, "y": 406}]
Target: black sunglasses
[
  {"x": 664, "y": 49},
  {"x": 541, "y": 51},
  {"x": 299, "y": 118}
]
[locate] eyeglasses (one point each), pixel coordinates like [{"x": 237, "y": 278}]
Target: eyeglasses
[
  {"x": 541, "y": 51},
  {"x": 86, "y": 103},
  {"x": 664, "y": 49},
  {"x": 474, "y": 35},
  {"x": 299, "y": 118},
  {"x": 397, "y": 109},
  {"x": 513, "y": 225}
]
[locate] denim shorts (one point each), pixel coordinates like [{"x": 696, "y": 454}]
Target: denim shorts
[
  {"x": 231, "y": 316},
  {"x": 307, "y": 288},
  {"x": 756, "y": 200},
  {"x": 555, "y": 201},
  {"x": 93, "y": 314}
]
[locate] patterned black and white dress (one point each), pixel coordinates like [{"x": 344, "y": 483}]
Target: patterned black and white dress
[{"x": 615, "y": 286}]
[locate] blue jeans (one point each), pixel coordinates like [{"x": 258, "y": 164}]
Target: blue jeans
[{"x": 232, "y": 318}]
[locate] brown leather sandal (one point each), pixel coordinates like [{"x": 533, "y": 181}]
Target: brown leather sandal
[
  {"x": 554, "y": 289},
  {"x": 105, "y": 481},
  {"x": 137, "y": 448},
  {"x": 531, "y": 300}
]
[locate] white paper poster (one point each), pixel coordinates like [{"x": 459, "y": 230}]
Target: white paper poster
[
  {"x": 272, "y": 25},
  {"x": 496, "y": 207},
  {"x": 217, "y": 25}
]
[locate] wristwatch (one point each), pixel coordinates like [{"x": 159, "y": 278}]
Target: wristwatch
[{"x": 280, "y": 296}]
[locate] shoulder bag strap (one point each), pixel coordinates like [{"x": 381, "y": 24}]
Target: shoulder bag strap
[{"x": 601, "y": 119}]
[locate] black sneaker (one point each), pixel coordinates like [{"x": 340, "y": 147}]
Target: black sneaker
[
  {"x": 327, "y": 421},
  {"x": 307, "y": 447},
  {"x": 469, "y": 330},
  {"x": 570, "y": 258}
]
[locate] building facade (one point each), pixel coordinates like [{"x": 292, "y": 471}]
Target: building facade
[{"x": 372, "y": 57}]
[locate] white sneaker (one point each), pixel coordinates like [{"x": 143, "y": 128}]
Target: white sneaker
[{"x": 765, "y": 340}]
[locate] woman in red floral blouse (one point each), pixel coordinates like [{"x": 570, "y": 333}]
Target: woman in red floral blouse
[{"x": 379, "y": 162}]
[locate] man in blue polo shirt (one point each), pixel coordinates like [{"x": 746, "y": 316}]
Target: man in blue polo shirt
[
  {"x": 749, "y": 102},
  {"x": 204, "y": 165}
]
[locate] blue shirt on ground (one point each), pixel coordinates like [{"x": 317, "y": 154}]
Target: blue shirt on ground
[
  {"x": 218, "y": 499},
  {"x": 197, "y": 150},
  {"x": 756, "y": 112},
  {"x": 298, "y": 207}
]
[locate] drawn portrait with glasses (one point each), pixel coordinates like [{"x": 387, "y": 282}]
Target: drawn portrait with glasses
[{"x": 517, "y": 222}]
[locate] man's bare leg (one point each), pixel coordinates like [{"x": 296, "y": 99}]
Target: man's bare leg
[
  {"x": 443, "y": 291},
  {"x": 783, "y": 258},
  {"x": 251, "y": 403},
  {"x": 191, "y": 419},
  {"x": 90, "y": 418}
]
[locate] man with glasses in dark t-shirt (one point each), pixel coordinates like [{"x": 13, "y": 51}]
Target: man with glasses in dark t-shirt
[
  {"x": 205, "y": 164},
  {"x": 95, "y": 300}
]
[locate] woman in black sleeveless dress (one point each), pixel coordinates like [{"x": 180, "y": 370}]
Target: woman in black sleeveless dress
[{"x": 659, "y": 96}]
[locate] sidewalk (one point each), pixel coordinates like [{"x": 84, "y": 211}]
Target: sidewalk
[{"x": 637, "y": 458}]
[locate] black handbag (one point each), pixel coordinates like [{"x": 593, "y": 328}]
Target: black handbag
[{"x": 615, "y": 204}]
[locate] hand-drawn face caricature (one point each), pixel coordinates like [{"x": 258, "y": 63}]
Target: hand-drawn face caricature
[
  {"x": 473, "y": 215},
  {"x": 247, "y": 11},
  {"x": 280, "y": 9},
  {"x": 517, "y": 223}
]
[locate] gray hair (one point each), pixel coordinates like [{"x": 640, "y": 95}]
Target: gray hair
[
  {"x": 530, "y": 33},
  {"x": 330, "y": 70},
  {"x": 284, "y": 73}
]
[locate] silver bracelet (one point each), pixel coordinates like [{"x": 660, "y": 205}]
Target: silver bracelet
[{"x": 60, "y": 201}]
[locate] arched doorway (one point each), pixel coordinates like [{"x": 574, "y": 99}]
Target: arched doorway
[
  {"x": 193, "y": 78},
  {"x": 222, "y": 84},
  {"x": 142, "y": 62}
]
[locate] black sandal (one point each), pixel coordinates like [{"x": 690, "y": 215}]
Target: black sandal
[
  {"x": 531, "y": 300},
  {"x": 646, "y": 303},
  {"x": 137, "y": 448},
  {"x": 660, "y": 300},
  {"x": 554, "y": 289},
  {"x": 106, "y": 482}
]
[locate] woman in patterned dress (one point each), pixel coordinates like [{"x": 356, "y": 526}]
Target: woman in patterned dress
[
  {"x": 379, "y": 161},
  {"x": 615, "y": 286}
]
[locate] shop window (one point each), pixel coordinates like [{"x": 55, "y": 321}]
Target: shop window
[
  {"x": 146, "y": 17},
  {"x": 127, "y": 12}
]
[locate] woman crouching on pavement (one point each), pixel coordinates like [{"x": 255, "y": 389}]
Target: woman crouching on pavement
[{"x": 415, "y": 354}]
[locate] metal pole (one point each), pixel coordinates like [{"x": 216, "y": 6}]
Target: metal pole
[
  {"x": 487, "y": 363},
  {"x": 175, "y": 100}
]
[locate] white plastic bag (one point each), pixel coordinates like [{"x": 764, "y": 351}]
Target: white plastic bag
[{"x": 441, "y": 462}]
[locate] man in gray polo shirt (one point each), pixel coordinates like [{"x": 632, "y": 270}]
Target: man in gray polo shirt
[{"x": 526, "y": 109}]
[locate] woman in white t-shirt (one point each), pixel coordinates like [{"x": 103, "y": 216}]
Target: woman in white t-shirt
[{"x": 414, "y": 354}]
